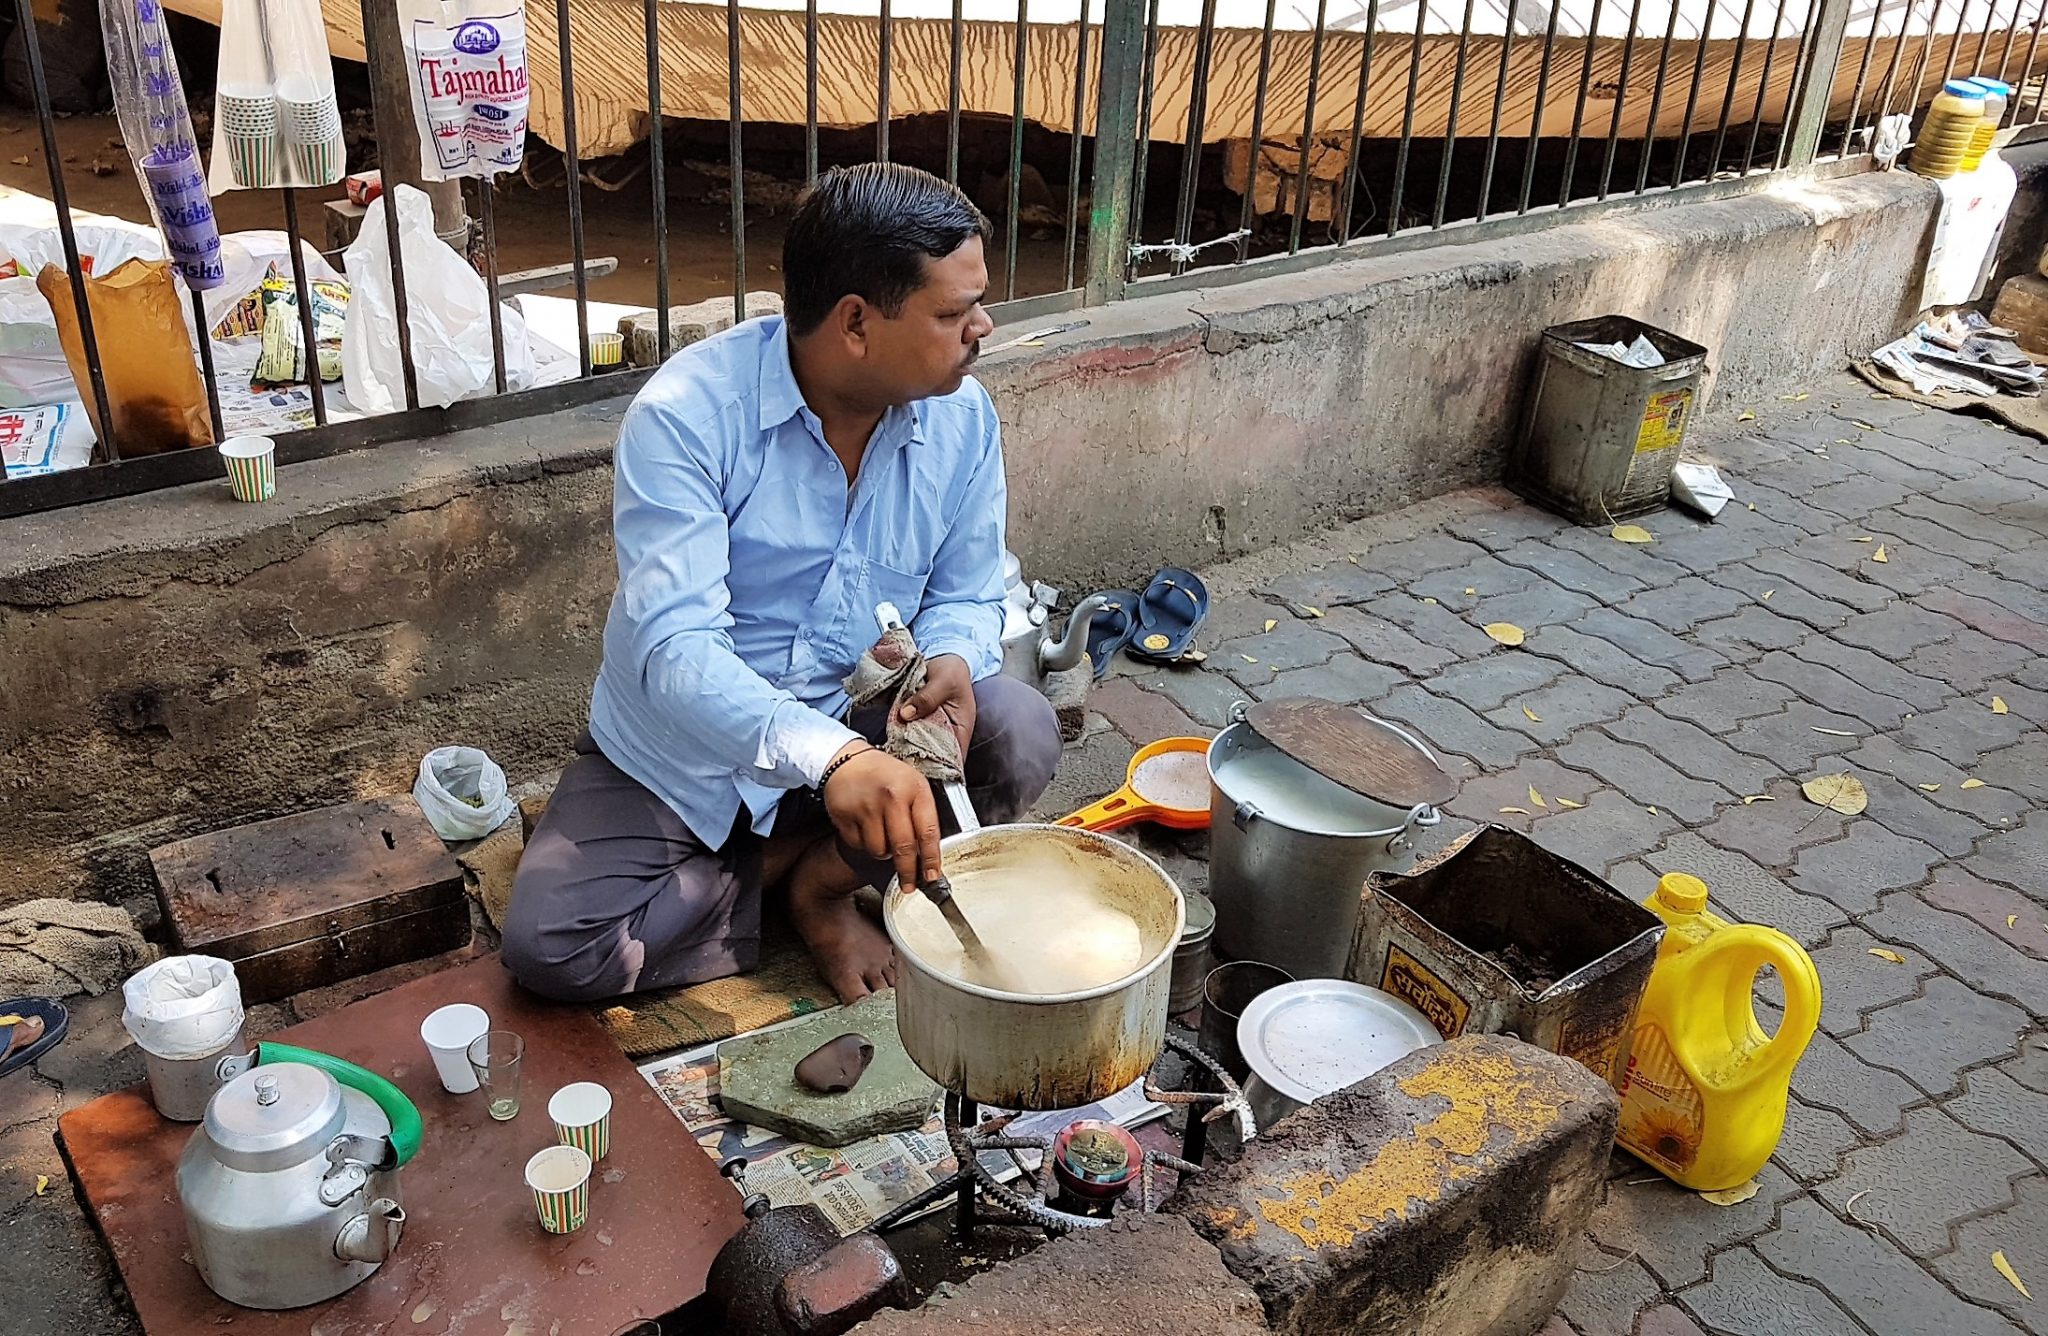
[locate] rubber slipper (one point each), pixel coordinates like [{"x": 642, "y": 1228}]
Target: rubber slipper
[
  {"x": 1169, "y": 613},
  {"x": 20, "y": 1017},
  {"x": 1112, "y": 627}
]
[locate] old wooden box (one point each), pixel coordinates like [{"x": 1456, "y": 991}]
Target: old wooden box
[{"x": 312, "y": 899}]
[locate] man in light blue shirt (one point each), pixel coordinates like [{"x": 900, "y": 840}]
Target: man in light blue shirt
[{"x": 773, "y": 485}]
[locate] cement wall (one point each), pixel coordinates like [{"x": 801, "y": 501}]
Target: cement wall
[{"x": 179, "y": 663}]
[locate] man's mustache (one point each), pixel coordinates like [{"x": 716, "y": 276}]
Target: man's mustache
[{"x": 973, "y": 355}]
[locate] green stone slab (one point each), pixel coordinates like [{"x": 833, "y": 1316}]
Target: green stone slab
[{"x": 757, "y": 1078}]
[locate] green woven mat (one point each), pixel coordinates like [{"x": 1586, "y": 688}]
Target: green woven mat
[{"x": 785, "y": 984}]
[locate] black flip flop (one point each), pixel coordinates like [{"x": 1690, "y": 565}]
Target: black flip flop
[
  {"x": 55, "y": 1021},
  {"x": 1112, "y": 628},
  {"x": 1169, "y": 613}
]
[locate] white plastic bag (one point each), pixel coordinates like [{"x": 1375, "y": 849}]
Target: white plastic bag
[
  {"x": 467, "y": 59},
  {"x": 276, "y": 120},
  {"x": 1700, "y": 487},
  {"x": 462, "y": 792},
  {"x": 183, "y": 1006},
  {"x": 48, "y": 438},
  {"x": 447, "y": 309}
]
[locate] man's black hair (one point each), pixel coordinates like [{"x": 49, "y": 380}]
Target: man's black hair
[{"x": 867, "y": 230}]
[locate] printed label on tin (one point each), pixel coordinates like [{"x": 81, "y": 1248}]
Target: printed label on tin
[
  {"x": 1663, "y": 424},
  {"x": 1414, "y": 983}
]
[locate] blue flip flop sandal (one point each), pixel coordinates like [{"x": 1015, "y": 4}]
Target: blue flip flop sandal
[
  {"x": 1112, "y": 628},
  {"x": 32, "y": 1027},
  {"x": 1169, "y": 613}
]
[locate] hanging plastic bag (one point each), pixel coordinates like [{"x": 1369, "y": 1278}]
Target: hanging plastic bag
[
  {"x": 276, "y": 121},
  {"x": 149, "y": 102},
  {"x": 462, "y": 792},
  {"x": 447, "y": 308},
  {"x": 469, "y": 95}
]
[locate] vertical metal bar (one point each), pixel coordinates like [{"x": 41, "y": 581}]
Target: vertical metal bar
[
  {"x": 1536, "y": 116},
  {"x": 1984, "y": 38},
  {"x": 1816, "y": 82},
  {"x": 1074, "y": 148},
  {"x": 657, "y": 184},
  {"x": 1571, "y": 153},
  {"x": 1144, "y": 144},
  {"x": 1918, "y": 80},
  {"x": 1020, "y": 50},
  {"x": 952, "y": 94},
  {"x": 1118, "y": 148},
  {"x": 886, "y": 34},
  {"x": 1443, "y": 175},
  {"x": 1500, "y": 97},
  {"x": 811, "y": 89},
  {"x": 376, "y": 58},
  {"x": 970, "y": 1119},
  {"x": 1955, "y": 41},
  {"x": 1862, "y": 78},
  {"x": 207, "y": 372},
  {"x": 1372, "y": 23},
  {"x": 732, "y": 149},
  {"x": 60, "y": 200},
  {"x": 1657, "y": 100},
  {"x": 489, "y": 214},
  {"x": 1628, "y": 55},
  {"x": 1728, "y": 90},
  {"x": 2012, "y": 37},
  {"x": 1889, "y": 88},
  {"x": 1801, "y": 64},
  {"x": 1308, "y": 127},
  {"x": 1692, "y": 96},
  {"x": 1258, "y": 139},
  {"x": 1198, "y": 113},
  {"x": 1763, "y": 88},
  {"x": 575, "y": 182},
  {"x": 1408, "y": 117},
  {"x": 2027, "y": 72},
  {"x": 303, "y": 291}
]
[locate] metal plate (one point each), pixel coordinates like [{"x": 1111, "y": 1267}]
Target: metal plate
[
  {"x": 1310, "y": 1038},
  {"x": 1366, "y": 755}
]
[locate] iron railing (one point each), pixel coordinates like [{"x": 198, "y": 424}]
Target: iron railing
[{"x": 1195, "y": 150}]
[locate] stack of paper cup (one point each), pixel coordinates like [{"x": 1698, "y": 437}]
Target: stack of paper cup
[
  {"x": 177, "y": 187},
  {"x": 448, "y": 1032},
  {"x": 582, "y": 1115},
  {"x": 248, "y": 127},
  {"x": 312, "y": 129},
  {"x": 252, "y": 476},
  {"x": 560, "y": 1179}
]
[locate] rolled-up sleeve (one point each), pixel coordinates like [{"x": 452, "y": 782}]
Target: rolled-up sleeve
[
  {"x": 672, "y": 623},
  {"x": 962, "y": 609}
]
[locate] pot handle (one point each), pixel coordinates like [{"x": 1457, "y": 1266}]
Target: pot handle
[
  {"x": 1422, "y": 814},
  {"x": 1244, "y": 815},
  {"x": 404, "y": 1115}
]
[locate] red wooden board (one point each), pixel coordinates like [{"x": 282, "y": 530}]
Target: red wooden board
[{"x": 474, "y": 1260}]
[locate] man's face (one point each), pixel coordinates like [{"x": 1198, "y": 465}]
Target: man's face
[{"x": 926, "y": 348}]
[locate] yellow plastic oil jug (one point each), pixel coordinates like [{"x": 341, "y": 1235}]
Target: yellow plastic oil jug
[{"x": 1703, "y": 1099}]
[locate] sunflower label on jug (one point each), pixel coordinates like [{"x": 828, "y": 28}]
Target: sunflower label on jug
[
  {"x": 1662, "y": 1117},
  {"x": 1414, "y": 983}
]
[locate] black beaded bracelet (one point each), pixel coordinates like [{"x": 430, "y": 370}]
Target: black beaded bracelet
[{"x": 833, "y": 768}]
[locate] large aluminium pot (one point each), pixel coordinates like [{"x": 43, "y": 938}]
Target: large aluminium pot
[{"x": 1042, "y": 1051}]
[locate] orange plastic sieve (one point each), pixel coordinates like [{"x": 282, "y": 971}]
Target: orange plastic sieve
[{"x": 1168, "y": 782}]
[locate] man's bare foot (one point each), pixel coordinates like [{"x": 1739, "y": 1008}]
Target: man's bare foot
[{"x": 851, "y": 952}]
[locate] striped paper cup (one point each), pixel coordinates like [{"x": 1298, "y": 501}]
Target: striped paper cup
[
  {"x": 582, "y": 1114},
  {"x": 560, "y": 1179},
  {"x": 252, "y": 466}
]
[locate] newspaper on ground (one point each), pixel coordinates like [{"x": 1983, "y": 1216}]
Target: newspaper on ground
[{"x": 854, "y": 1185}]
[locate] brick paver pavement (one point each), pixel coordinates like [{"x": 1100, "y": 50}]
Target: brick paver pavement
[{"x": 1670, "y": 682}]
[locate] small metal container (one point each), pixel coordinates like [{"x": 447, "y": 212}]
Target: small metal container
[
  {"x": 181, "y": 1087},
  {"x": 1192, "y": 959},
  {"x": 1227, "y": 991},
  {"x": 1304, "y": 1040}
]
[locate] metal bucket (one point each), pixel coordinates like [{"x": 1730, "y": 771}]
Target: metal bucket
[{"x": 1289, "y": 852}]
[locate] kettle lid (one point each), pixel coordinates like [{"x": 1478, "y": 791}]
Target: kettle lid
[{"x": 274, "y": 1116}]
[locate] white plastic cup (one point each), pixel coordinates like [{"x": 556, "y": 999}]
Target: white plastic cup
[
  {"x": 448, "y": 1033},
  {"x": 582, "y": 1114}
]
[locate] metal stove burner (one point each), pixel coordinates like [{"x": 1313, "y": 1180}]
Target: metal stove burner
[{"x": 1092, "y": 1163}]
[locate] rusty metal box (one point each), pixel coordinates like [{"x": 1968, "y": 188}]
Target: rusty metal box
[
  {"x": 312, "y": 899},
  {"x": 1497, "y": 935}
]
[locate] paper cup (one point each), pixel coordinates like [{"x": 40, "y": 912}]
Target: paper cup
[
  {"x": 448, "y": 1034},
  {"x": 582, "y": 1114},
  {"x": 252, "y": 475},
  {"x": 607, "y": 348},
  {"x": 560, "y": 1179},
  {"x": 251, "y": 157}
]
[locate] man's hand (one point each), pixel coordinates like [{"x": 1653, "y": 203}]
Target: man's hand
[
  {"x": 884, "y": 808},
  {"x": 948, "y": 692}
]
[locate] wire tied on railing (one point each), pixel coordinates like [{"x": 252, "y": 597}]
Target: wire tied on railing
[{"x": 1180, "y": 252}]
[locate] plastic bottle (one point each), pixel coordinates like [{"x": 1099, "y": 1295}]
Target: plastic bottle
[
  {"x": 1951, "y": 124},
  {"x": 1996, "y": 95},
  {"x": 1703, "y": 1099}
]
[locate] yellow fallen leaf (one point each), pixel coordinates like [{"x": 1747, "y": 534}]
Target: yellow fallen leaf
[
  {"x": 1651, "y": 810},
  {"x": 1566, "y": 802},
  {"x": 1971, "y": 784},
  {"x": 1832, "y": 732},
  {"x": 1930, "y": 788},
  {"x": 1536, "y": 797},
  {"x": 2012, "y": 920},
  {"x": 1533, "y": 717},
  {"x": 1842, "y": 793},
  {"x": 1271, "y": 623},
  {"x": 1733, "y": 1196},
  {"x": 1470, "y": 591},
  {"x": 1505, "y": 633},
  {"x": 1865, "y": 425},
  {"x": 1883, "y": 954},
  {"x": 1631, "y": 533},
  {"x": 1311, "y": 611},
  {"x": 2012, "y": 1276},
  {"x": 1843, "y": 441},
  {"x": 1758, "y": 798},
  {"x": 1747, "y": 416},
  {"x": 1354, "y": 559},
  {"x": 425, "y": 1311},
  {"x": 1795, "y": 398},
  {"x": 1866, "y": 538},
  {"x": 1518, "y": 811},
  {"x": 42, "y": 1184},
  {"x": 1752, "y": 505},
  {"x": 1429, "y": 601},
  {"x": 1247, "y": 658},
  {"x": 1194, "y": 656},
  {"x": 1767, "y": 594},
  {"x": 1998, "y": 705},
  {"x": 1879, "y": 554}
]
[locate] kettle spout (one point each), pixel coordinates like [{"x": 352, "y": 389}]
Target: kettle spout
[
  {"x": 370, "y": 1237},
  {"x": 1056, "y": 656}
]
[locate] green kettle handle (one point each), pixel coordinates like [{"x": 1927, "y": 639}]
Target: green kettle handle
[{"x": 404, "y": 1115}]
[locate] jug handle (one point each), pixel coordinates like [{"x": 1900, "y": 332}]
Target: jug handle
[
  {"x": 1768, "y": 946},
  {"x": 405, "y": 1117}
]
